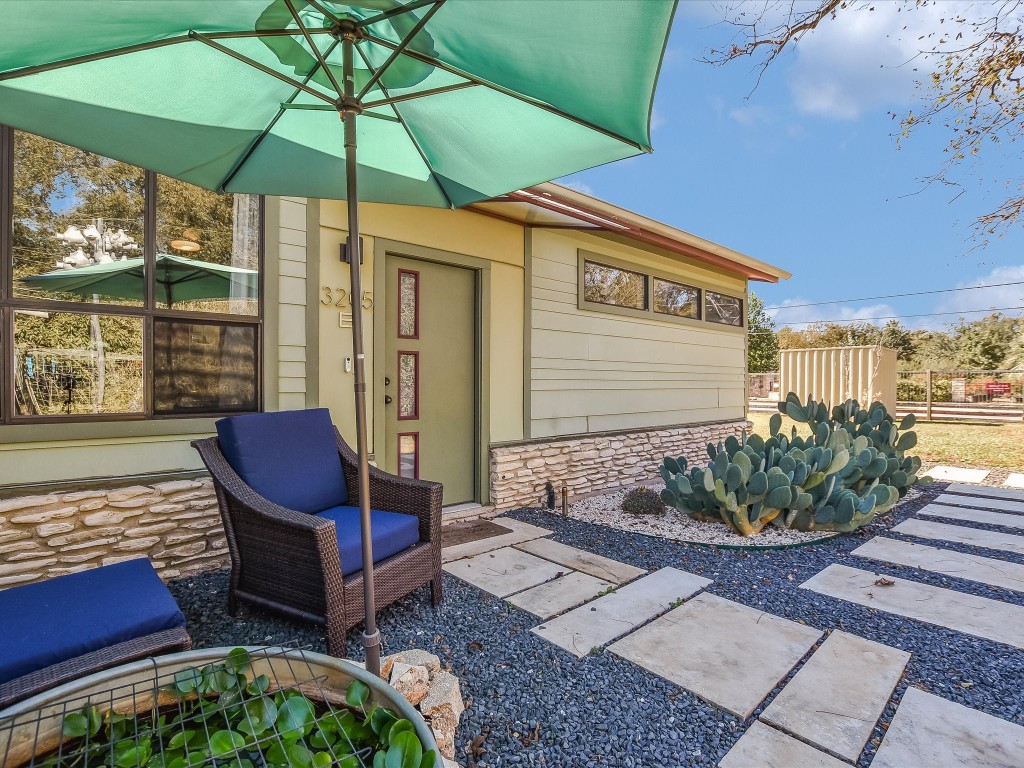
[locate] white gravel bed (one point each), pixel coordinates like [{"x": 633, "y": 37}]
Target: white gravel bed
[{"x": 675, "y": 526}]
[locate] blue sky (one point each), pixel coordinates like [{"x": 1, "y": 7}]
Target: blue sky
[{"x": 804, "y": 172}]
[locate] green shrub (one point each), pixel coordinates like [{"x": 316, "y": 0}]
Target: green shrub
[{"x": 643, "y": 501}]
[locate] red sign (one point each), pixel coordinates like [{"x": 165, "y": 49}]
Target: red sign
[{"x": 998, "y": 387}]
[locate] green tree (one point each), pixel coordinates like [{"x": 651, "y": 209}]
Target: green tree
[
  {"x": 895, "y": 336},
  {"x": 762, "y": 344},
  {"x": 984, "y": 344}
]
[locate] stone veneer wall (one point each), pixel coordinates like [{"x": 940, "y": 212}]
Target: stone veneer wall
[
  {"x": 588, "y": 463},
  {"x": 175, "y": 523}
]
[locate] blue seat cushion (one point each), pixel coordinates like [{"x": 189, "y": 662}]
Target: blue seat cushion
[
  {"x": 52, "y": 621},
  {"x": 392, "y": 532},
  {"x": 288, "y": 457}
]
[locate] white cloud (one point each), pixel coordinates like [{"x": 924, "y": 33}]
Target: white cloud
[
  {"x": 987, "y": 298},
  {"x": 800, "y": 316},
  {"x": 579, "y": 186},
  {"x": 751, "y": 115},
  {"x": 865, "y": 59},
  {"x": 657, "y": 119}
]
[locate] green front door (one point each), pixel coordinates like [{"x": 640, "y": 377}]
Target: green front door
[{"x": 430, "y": 374}]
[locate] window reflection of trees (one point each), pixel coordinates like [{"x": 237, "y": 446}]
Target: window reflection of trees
[
  {"x": 607, "y": 285},
  {"x": 676, "y": 299}
]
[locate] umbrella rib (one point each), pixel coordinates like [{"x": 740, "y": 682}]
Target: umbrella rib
[
  {"x": 270, "y": 126},
  {"x": 412, "y": 138},
  {"x": 100, "y": 55},
  {"x": 507, "y": 92},
  {"x": 418, "y": 95},
  {"x": 393, "y": 12},
  {"x": 261, "y": 67},
  {"x": 398, "y": 50},
  {"x": 316, "y": 51}
]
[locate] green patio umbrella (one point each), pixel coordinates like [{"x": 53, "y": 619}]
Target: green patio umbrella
[
  {"x": 456, "y": 102},
  {"x": 178, "y": 278}
]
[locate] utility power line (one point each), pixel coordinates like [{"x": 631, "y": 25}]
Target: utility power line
[
  {"x": 869, "y": 320},
  {"x": 896, "y": 295}
]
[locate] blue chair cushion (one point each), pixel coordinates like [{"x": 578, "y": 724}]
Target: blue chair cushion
[
  {"x": 392, "y": 533},
  {"x": 288, "y": 457},
  {"x": 52, "y": 621}
]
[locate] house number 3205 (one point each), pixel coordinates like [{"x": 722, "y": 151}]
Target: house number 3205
[{"x": 341, "y": 297}]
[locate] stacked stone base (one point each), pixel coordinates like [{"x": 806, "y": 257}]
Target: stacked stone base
[
  {"x": 589, "y": 463},
  {"x": 175, "y": 524}
]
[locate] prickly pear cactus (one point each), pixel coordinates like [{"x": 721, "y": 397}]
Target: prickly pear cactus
[{"x": 845, "y": 425}]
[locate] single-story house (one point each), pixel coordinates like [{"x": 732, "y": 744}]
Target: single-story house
[{"x": 542, "y": 337}]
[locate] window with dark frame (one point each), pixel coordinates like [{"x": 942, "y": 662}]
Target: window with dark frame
[
  {"x": 123, "y": 294},
  {"x": 603, "y": 284},
  {"x": 723, "y": 309},
  {"x": 677, "y": 299}
]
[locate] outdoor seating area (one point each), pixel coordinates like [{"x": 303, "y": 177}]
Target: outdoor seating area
[
  {"x": 286, "y": 483},
  {"x": 364, "y": 402}
]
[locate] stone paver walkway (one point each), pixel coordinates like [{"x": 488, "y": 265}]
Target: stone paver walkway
[
  {"x": 764, "y": 747},
  {"x": 970, "y": 614},
  {"x": 504, "y": 572},
  {"x": 935, "y": 732},
  {"x": 520, "y": 532},
  {"x": 988, "y": 490},
  {"x": 836, "y": 698},
  {"x": 560, "y": 595},
  {"x": 1015, "y": 480},
  {"x": 973, "y": 515},
  {"x": 595, "y": 624},
  {"x": 958, "y": 534},
  {"x": 997, "y": 573},
  {"x": 579, "y": 560},
  {"x": 1000, "y": 503},
  {"x": 699, "y": 646},
  {"x": 957, "y": 474}
]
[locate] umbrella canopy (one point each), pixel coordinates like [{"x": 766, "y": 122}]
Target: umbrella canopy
[
  {"x": 177, "y": 279},
  {"x": 519, "y": 92},
  {"x": 457, "y": 101}
]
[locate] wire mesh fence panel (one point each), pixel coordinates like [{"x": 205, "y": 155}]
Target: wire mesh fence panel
[
  {"x": 65, "y": 381},
  {"x": 946, "y": 395}
]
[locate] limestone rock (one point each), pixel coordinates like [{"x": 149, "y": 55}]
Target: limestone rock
[
  {"x": 444, "y": 699},
  {"x": 413, "y": 682},
  {"x": 413, "y": 657}
]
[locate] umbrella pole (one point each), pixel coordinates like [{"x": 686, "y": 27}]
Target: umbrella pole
[{"x": 350, "y": 108}]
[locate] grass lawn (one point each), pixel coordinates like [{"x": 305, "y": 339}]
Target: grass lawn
[{"x": 968, "y": 444}]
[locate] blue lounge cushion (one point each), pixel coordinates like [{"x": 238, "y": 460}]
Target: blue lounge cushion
[
  {"x": 52, "y": 621},
  {"x": 392, "y": 532},
  {"x": 288, "y": 457}
]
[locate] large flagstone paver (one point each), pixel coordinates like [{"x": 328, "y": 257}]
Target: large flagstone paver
[
  {"x": 765, "y": 747},
  {"x": 504, "y": 571},
  {"x": 581, "y": 560},
  {"x": 980, "y": 502},
  {"x": 599, "y": 622},
  {"x": 836, "y": 698},
  {"x": 561, "y": 594},
  {"x": 700, "y": 646},
  {"x": 957, "y": 474},
  {"x": 1015, "y": 480},
  {"x": 520, "y": 532},
  {"x": 934, "y": 732},
  {"x": 988, "y": 490},
  {"x": 958, "y": 534},
  {"x": 970, "y": 614},
  {"x": 983, "y": 516},
  {"x": 997, "y": 573}
]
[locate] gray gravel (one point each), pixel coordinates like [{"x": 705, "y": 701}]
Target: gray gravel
[{"x": 604, "y": 711}]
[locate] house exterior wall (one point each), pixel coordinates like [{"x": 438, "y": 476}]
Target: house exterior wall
[{"x": 594, "y": 371}]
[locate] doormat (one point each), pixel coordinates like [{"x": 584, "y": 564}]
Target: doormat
[{"x": 453, "y": 534}]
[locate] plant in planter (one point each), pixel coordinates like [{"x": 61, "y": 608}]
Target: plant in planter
[{"x": 223, "y": 715}]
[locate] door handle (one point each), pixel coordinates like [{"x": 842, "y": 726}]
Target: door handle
[{"x": 387, "y": 400}]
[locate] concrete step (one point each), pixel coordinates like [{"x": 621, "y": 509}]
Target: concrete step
[
  {"x": 958, "y": 534},
  {"x": 581, "y": 560},
  {"x": 984, "y": 516},
  {"x": 765, "y": 747}
]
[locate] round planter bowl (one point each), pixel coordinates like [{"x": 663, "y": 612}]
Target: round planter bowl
[{"x": 32, "y": 728}]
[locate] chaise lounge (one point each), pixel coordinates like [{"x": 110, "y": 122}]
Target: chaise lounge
[{"x": 287, "y": 485}]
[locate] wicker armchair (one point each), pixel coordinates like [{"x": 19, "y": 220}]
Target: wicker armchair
[{"x": 289, "y": 561}]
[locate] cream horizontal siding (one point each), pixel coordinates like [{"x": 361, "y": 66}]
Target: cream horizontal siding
[
  {"x": 290, "y": 231},
  {"x": 595, "y": 371}
]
